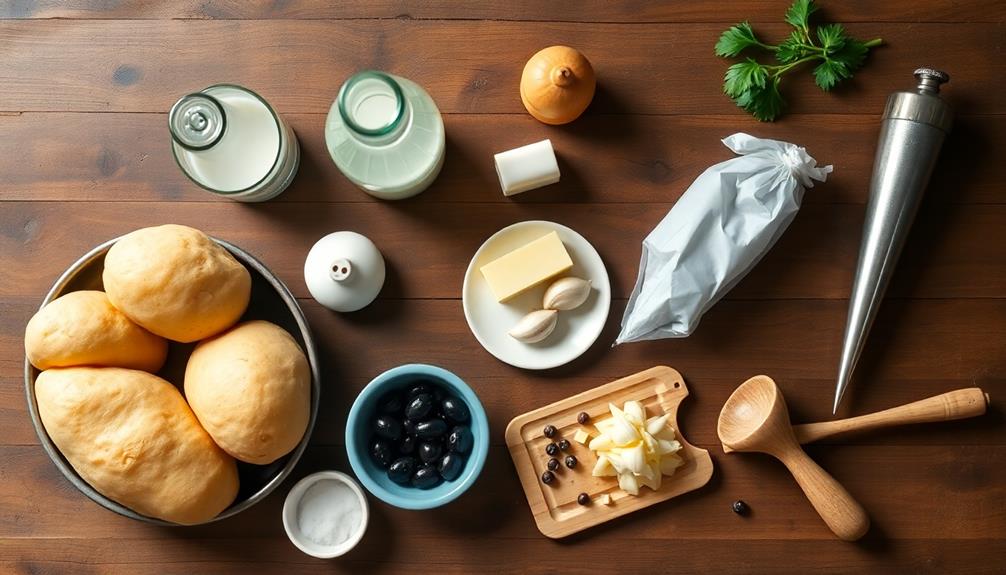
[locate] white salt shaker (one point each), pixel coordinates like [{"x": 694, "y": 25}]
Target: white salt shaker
[{"x": 344, "y": 271}]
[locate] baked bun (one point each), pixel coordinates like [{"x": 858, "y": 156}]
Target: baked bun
[
  {"x": 251, "y": 390},
  {"x": 84, "y": 328},
  {"x": 176, "y": 282},
  {"x": 132, "y": 437}
]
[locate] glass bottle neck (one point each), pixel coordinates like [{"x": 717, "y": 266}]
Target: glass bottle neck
[{"x": 373, "y": 107}]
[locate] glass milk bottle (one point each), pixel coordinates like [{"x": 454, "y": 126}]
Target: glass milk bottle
[
  {"x": 229, "y": 141},
  {"x": 385, "y": 133}
]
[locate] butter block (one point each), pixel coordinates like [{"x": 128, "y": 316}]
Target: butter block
[
  {"x": 604, "y": 499},
  {"x": 527, "y": 167},
  {"x": 581, "y": 436},
  {"x": 527, "y": 266}
]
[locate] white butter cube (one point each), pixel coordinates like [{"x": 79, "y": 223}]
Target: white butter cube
[
  {"x": 527, "y": 167},
  {"x": 581, "y": 436},
  {"x": 604, "y": 499}
]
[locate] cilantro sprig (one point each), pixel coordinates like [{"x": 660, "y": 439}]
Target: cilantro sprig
[{"x": 754, "y": 86}]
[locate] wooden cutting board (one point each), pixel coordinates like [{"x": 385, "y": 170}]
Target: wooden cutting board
[{"x": 554, "y": 506}]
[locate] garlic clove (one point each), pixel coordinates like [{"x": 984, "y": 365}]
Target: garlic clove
[
  {"x": 535, "y": 326},
  {"x": 566, "y": 294}
]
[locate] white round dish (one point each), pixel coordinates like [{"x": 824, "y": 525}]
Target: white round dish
[
  {"x": 292, "y": 505},
  {"x": 576, "y": 329}
]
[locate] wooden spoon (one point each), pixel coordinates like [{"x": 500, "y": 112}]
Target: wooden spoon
[
  {"x": 957, "y": 404},
  {"x": 755, "y": 418}
]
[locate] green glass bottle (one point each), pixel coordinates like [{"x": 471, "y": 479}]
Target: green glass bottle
[{"x": 385, "y": 133}]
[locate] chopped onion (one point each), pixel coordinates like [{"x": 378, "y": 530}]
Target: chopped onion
[{"x": 636, "y": 449}]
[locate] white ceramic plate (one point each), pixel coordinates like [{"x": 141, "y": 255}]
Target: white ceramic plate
[{"x": 490, "y": 320}]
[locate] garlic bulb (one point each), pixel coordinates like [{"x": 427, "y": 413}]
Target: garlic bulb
[
  {"x": 635, "y": 449},
  {"x": 535, "y": 326},
  {"x": 566, "y": 294}
]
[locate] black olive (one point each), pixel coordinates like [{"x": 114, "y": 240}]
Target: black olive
[
  {"x": 454, "y": 409},
  {"x": 409, "y": 427},
  {"x": 451, "y": 465},
  {"x": 571, "y": 461},
  {"x": 739, "y": 507},
  {"x": 419, "y": 406},
  {"x": 551, "y": 449},
  {"x": 388, "y": 427},
  {"x": 380, "y": 450},
  {"x": 547, "y": 477},
  {"x": 582, "y": 417},
  {"x": 417, "y": 388},
  {"x": 429, "y": 451},
  {"x": 549, "y": 431},
  {"x": 460, "y": 440},
  {"x": 564, "y": 444},
  {"x": 583, "y": 499},
  {"x": 402, "y": 469},
  {"x": 408, "y": 445},
  {"x": 431, "y": 428},
  {"x": 426, "y": 477},
  {"x": 553, "y": 464},
  {"x": 392, "y": 403}
]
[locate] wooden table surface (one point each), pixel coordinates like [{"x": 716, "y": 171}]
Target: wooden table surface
[{"x": 84, "y": 156}]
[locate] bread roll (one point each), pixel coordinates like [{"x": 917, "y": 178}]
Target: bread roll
[
  {"x": 176, "y": 282},
  {"x": 251, "y": 390},
  {"x": 84, "y": 328},
  {"x": 132, "y": 437}
]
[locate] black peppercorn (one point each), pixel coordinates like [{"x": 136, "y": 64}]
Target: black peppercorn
[
  {"x": 553, "y": 464},
  {"x": 582, "y": 417},
  {"x": 740, "y": 508},
  {"x": 549, "y": 431},
  {"x": 583, "y": 499},
  {"x": 551, "y": 449},
  {"x": 571, "y": 461},
  {"x": 564, "y": 444},
  {"x": 547, "y": 477}
]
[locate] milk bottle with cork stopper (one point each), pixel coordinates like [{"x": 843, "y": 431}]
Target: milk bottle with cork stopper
[{"x": 231, "y": 142}]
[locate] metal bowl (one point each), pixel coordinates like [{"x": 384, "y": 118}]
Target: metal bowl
[{"x": 270, "y": 300}]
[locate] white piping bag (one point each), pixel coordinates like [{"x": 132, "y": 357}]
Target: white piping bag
[{"x": 720, "y": 228}]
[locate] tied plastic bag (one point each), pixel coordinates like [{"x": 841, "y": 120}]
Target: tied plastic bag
[{"x": 720, "y": 228}]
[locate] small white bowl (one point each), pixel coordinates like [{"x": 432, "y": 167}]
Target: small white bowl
[{"x": 292, "y": 503}]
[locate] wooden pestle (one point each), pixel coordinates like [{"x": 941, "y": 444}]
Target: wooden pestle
[{"x": 957, "y": 404}]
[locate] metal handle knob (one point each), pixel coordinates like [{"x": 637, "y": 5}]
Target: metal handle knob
[{"x": 930, "y": 80}]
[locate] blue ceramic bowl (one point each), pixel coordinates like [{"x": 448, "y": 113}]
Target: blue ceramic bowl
[{"x": 358, "y": 433}]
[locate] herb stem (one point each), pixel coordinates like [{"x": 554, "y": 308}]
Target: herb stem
[
  {"x": 780, "y": 70},
  {"x": 874, "y": 42}
]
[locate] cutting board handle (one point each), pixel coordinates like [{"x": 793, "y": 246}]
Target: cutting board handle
[{"x": 957, "y": 404}]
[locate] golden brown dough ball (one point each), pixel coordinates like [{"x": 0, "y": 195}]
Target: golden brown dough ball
[
  {"x": 132, "y": 437},
  {"x": 176, "y": 282},
  {"x": 251, "y": 390},
  {"x": 84, "y": 328}
]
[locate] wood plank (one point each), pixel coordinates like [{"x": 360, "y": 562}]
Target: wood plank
[
  {"x": 954, "y": 251},
  {"x": 918, "y": 348},
  {"x": 604, "y": 158},
  {"x": 630, "y": 11},
  {"x": 474, "y": 67},
  {"x": 949, "y": 492},
  {"x": 239, "y": 556}
]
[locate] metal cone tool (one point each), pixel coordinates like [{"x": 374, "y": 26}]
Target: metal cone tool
[{"x": 912, "y": 131}]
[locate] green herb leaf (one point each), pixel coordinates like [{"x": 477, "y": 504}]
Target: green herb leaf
[
  {"x": 764, "y": 103},
  {"x": 744, "y": 76},
  {"x": 852, "y": 54},
  {"x": 736, "y": 39},
  {"x": 792, "y": 48},
  {"x": 829, "y": 73},
  {"x": 832, "y": 37},
  {"x": 798, "y": 15}
]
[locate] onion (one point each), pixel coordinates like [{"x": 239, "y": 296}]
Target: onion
[{"x": 636, "y": 449}]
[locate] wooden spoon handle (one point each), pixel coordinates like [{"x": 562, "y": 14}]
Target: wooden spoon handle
[
  {"x": 843, "y": 514},
  {"x": 957, "y": 404}
]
